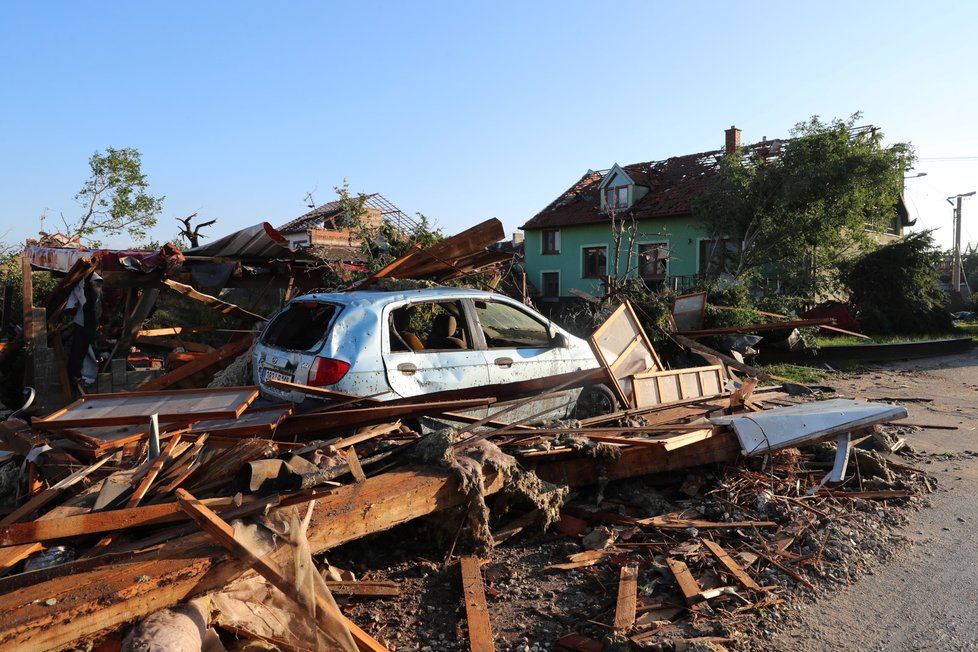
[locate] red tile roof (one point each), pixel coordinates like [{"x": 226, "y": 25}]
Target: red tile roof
[{"x": 672, "y": 183}]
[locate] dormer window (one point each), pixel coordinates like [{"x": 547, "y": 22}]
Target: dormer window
[
  {"x": 616, "y": 197},
  {"x": 616, "y": 189}
]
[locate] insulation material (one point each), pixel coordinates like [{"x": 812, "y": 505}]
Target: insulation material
[
  {"x": 236, "y": 374},
  {"x": 471, "y": 460},
  {"x": 181, "y": 628}
]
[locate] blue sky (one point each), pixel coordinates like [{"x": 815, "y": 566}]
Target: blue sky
[{"x": 458, "y": 110}]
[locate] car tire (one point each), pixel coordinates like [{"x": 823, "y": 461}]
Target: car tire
[{"x": 595, "y": 400}]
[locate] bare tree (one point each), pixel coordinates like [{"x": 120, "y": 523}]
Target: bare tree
[{"x": 193, "y": 234}]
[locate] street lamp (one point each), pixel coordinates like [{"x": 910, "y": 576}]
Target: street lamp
[
  {"x": 919, "y": 174},
  {"x": 956, "y": 263}
]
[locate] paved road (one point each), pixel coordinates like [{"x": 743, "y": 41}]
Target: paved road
[{"x": 926, "y": 597}]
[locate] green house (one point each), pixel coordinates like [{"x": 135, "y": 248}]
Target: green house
[{"x": 571, "y": 244}]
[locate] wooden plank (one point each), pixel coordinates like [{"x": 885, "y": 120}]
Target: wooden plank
[
  {"x": 365, "y": 588},
  {"x": 476, "y": 609},
  {"x": 136, "y": 407},
  {"x": 173, "y": 343},
  {"x": 348, "y": 634},
  {"x": 656, "y": 387},
  {"x": 49, "y": 494},
  {"x": 133, "y": 322},
  {"x": 777, "y": 315},
  {"x": 45, "y": 530},
  {"x": 687, "y": 583},
  {"x": 207, "y": 362},
  {"x": 173, "y": 330},
  {"x": 443, "y": 255},
  {"x": 627, "y": 597},
  {"x": 318, "y": 392},
  {"x": 732, "y": 566},
  {"x": 766, "y": 326},
  {"x": 620, "y": 344},
  {"x": 354, "y": 463},
  {"x": 190, "y": 565},
  {"x": 729, "y": 361},
  {"x": 222, "y": 307},
  {"x": 299, "y": 424}
]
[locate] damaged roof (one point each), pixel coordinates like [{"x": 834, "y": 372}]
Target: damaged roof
[
  {"x": 316, "y": 218},
  {"x": 672, "y": 183}
]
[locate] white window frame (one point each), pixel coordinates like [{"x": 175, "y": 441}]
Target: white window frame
[
  {"x": 543, "y": 294},
  {"x": 638, "y": 259},
  {"x": 607, "y": 259},
  {"x": 543, "y": 243}
]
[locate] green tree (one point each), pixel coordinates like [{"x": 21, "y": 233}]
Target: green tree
[
  {"x": 806, "y": 204},
  {"x": 895, "y": 288},
  {"x": 114, "y": 199}
]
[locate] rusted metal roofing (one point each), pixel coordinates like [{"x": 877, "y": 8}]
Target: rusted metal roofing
[{"x": 61, "y": 259}]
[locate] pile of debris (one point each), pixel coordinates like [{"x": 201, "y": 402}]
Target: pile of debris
[
  {"x": 179, "y": 516},
  {"x": 141, "y": 501}
]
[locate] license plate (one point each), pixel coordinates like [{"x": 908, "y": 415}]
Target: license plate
[{"x": 271, "y": 374}]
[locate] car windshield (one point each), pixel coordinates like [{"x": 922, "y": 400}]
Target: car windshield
[{"x": 300, "y": 327}]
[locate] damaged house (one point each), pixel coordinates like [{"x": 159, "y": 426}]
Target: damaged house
[{"x": 570, "y": 245}]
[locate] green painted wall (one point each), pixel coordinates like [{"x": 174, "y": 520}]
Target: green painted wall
[{"x": 681, "y": 234}]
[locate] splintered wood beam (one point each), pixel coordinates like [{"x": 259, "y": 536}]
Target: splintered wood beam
[
  {"x": 476, "y": 609},
  {"x": 732, "y": 566},
  {"x": 222, "y": 307},
  {"x": 687, "y": 583},
  {"x": 49, "y": 494},
  {"x": 767, "y": 326},
  {"x": 44, "y": 530},
  {"x": 207, "y": 361},
  {"x": 223, "y": 533},
  {"x": 133, "y": 322},
  {"x": 191, "y": 565},
  {"x": 627, "y": 597},
  {"x": 730, "y": 362}
]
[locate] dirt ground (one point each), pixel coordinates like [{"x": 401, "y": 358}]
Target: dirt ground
[
  {"x": 916, "y": 595},
  {"x": 924, "y": 597}
]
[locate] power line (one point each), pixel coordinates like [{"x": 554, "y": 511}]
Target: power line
[{"x": 949, "y": 158}]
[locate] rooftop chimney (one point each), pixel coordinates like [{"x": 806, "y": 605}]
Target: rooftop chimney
[{"x": 733, "y": 139}]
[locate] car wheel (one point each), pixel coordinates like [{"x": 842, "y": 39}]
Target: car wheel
[{"x": 594, "y": 401}]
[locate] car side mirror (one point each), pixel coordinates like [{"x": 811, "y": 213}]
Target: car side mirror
[{"x": 559, "y": 341}]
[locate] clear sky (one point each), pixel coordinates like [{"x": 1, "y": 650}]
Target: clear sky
[{"x": 459, "y": 110}]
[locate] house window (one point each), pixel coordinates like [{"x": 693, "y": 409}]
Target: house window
[
  {"x": 652, "y": 260},
  {"x": 551, "y": 241},
  {"x": 551, "y": 284},
  {"x": 616, "y": 197},
  {"x": 719, "y": 256},
  {"x": 595, "y": 262}
]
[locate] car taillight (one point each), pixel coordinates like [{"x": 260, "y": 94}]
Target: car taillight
[{"x": 327, "y": 371}]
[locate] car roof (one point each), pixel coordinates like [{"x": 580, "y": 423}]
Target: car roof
[{"x": 381, "y": 298}]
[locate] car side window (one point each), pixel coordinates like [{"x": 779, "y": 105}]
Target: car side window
[
  {"x": 507, "y": 327},
  {"x": 430, "y": 326}
]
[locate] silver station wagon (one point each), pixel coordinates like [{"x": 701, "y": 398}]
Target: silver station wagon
[{"x": 389, "y": 345}]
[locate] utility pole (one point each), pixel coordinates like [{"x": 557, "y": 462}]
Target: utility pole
[{"x": 956, "y": 261}]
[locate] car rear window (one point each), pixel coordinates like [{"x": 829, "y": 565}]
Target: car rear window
[{"x": 300, "y": 327}]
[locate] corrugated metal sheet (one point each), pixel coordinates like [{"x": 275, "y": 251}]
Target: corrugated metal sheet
[{"x": 258, "y": 241}]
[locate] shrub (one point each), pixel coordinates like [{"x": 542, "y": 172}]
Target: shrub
[{"x": 895, "y": 288}]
